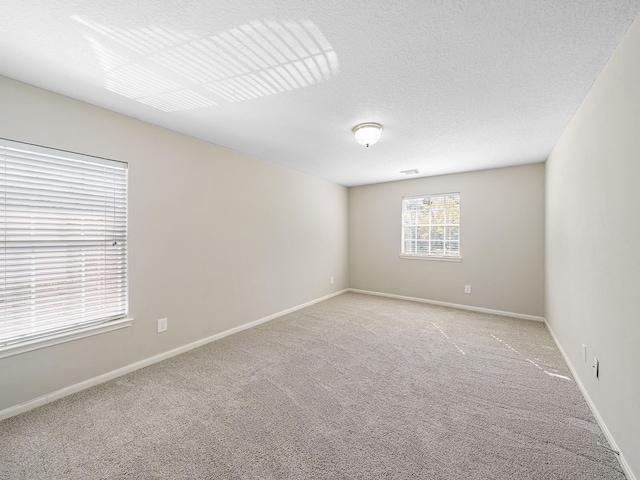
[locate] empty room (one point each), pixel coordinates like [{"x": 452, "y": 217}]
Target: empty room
[{"x": 305, "y": 239}]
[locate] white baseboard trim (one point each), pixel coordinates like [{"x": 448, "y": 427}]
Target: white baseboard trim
[
  {"x": 522, "y": 316},
  {"x": 37, "y": 402},
  {"x": 623, "y": 463}
]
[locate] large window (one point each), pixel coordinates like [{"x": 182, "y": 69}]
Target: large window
[
  {"x": 431, "y": 226},
  {"x": 63, "y": 243}
]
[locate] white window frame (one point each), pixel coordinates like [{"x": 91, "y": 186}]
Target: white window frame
[
  {"x": 30, "y": 176},
  {"x": 429, "y": 256}
]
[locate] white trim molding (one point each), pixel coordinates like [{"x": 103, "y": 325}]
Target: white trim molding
[
  {"x": 623, "y": 463},
  {"x": 431, "y": 257},
  {"x": 37, "y": 402},
  {"x": 63, "y": 337},
  {"x": 521, "y": 316}
]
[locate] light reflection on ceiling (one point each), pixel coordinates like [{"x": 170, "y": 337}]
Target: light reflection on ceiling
[{"x": 172, "y": 71}]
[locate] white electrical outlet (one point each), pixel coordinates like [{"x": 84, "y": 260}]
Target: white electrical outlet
[
  {"x": 331, "y": 280},
  {"x": 596, "y": 367},
  {"x": 584, "y": 353},
  {"x": 467, "y": 289},
  {"x": 162, "y": 325}
]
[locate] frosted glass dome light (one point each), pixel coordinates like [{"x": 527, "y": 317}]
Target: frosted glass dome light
[{"x": 367, "y": 133}]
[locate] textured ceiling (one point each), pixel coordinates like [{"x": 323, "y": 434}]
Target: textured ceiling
[{"x": 458, "y": 86}]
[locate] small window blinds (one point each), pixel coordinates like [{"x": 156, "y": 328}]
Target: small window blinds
[
  {"x": 431, "y": 225},
  {"x": 63, "y": 242}
]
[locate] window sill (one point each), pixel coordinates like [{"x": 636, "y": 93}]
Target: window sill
[
  {"x": 433, "y": 258},
  {"x": 64, "y": 337}
]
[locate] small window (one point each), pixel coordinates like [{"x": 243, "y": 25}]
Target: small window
[
  {"x": 431, "y": 226},
  {"x": 63, "y": 243}
]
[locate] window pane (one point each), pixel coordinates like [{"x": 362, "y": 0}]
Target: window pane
[
  {"x": 422, "y": 247},
  {"x": 437, "y": 248},
  {"x": 453, "y": 216},
  {"x": 64, "y": 241},
  {"x": 431, "y": 225},
  {"x": 410, "y": 233},
  {"x": 437, "y": 216},
  {"x": 409, "y": 247},
  {"x": 437, "y": 233},
  {"x": 408, "y": 216},
  {"x": 452, "y": 248}
]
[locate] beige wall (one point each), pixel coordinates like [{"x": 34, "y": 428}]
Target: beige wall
[
  {"x": 502, "y": 240},
  {"x": 593, "y": 240},
  {"x": 217, "y": 239}
]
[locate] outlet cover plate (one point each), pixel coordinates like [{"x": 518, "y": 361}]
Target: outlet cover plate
[{"x": 162, "y": 325}]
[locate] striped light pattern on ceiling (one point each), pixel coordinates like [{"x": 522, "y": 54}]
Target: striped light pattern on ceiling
[{"x": 172, "y": 71}]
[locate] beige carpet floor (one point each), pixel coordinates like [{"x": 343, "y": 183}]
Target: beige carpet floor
[{"x": 353, "y": 387}]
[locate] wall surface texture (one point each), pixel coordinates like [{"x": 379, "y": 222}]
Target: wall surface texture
[
  {"x": 216, "y": 239},
  {"x": 501, "y": 235},
  {"x": 592, "y": 240}
]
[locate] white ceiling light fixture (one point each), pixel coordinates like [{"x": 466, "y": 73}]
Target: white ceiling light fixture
[{"x": 367, "y": 133}]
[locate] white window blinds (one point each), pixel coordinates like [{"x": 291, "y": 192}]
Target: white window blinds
[
  {"x": 63, "y": 242},
  {"x": 431, "y": 225}
]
